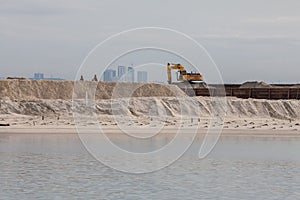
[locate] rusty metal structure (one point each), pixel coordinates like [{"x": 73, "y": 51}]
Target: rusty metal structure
[{"x": 276, "y": 91}]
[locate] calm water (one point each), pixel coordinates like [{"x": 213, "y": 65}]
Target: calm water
[{"x": 58, "y": 167}]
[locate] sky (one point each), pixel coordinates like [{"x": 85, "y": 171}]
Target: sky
[{"x": 247, "y": 40}]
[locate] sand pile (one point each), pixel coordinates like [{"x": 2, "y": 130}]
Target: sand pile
[
  {"x": 122, "y": 89},
  {"x": 168, "y": 106},
  {"x": 36, "y": 107},
  {"x": 53, "y": 100},
  {"x": 260, "y": 108},
  {"x": 42, "y": 89},
  {"x": 30, "y": 90},
  {"x": 255, "y": 84}
]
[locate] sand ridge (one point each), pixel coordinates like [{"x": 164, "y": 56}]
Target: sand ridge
[
  {"x": 141, "y": 112},
  {"x": 48, "y": 104},
  {"x": 46, "y": 89}
]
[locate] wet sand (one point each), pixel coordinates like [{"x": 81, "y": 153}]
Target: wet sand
[{"x": 115, "y": 130}]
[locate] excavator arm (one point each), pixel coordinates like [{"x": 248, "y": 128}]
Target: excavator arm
[{"x": 179, "y": 67}]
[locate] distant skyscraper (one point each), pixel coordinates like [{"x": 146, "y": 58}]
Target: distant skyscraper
[
  {"x": 38, "y": 76},
  {"x": 109, "y": 75},
  {"x": 142, "y": 76},
  {"x": 121, "y": 73},
  {"x": 130, "y": 74}
]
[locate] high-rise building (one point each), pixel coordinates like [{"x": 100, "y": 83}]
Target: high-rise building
[
  {"x": 109, "y": 75},
  {"x": 38, "y": 76},
  {"x": 130, "y": 74},
  {"x": 121, "y": 73},
  {"x": 142, "y": 76}
]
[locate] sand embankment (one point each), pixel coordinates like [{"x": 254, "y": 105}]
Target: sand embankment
[
  {"x": 169, "y": 106},
  {"x": 48, "y": 104},
  {"x": 43, "y": 89},
  {"x": 243, "y": 116}
]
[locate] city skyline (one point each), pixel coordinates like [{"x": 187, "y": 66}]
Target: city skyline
[
  {"x": 125, "y": 74},
  {"x": 142, "y": 76},
  {"x": 41, "y": 76}
]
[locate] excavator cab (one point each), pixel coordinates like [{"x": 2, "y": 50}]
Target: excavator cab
[
  {"x": 180, "y": 75},
  {"x": 183, "y": 75}
]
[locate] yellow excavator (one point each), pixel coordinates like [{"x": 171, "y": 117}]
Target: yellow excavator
[{"x": 184, "y": 76}]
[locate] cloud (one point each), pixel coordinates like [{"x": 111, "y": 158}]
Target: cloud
[
  {"x": 248, "y": 38},
  {"x": 55, "y": 20},
  {"x": 42, "y": 7},
  {"x": 274, "y": 20}
]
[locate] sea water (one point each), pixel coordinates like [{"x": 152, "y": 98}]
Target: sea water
[{"x": 57, "y": 166}]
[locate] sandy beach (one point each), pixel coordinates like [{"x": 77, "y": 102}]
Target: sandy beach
[{"x": 66, "y": 125}]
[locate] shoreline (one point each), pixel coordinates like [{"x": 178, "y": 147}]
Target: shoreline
[{"x": 166, "y": 131}]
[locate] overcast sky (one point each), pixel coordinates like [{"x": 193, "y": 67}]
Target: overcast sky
[{"x": 248, "y": 40}]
